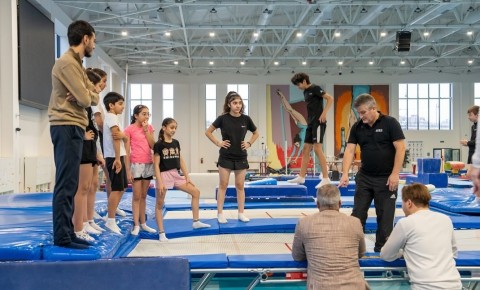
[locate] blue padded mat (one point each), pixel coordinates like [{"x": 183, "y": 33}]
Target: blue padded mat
[
  {"x": 311, "y": 182},
  {"x": 179, "y": 228},
  {"x": 131, "y": 273},
  {"x": 280, "y": 190},
  {"x": 264, "y": 261},
  {"x": 456, "y": 200},
  {"x": 466, "y": 258},
  {"x": 207, "y": 261},
  {"x": 104, "y": 247},
  {"x": 281, "y": 225},
  {"x": 459, "y": 183},
  {"x": 26, "y": 231}
]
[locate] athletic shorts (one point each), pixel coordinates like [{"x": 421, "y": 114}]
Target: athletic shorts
[
  {"x": 142, "y": 171},
  {"x": 89, "y": 152},
  {"x": 119, "y": 181},
  {"x": 315, "y": 132},
  {"x": 172, "y": 178},
  {"x": 232, "y": 164}
]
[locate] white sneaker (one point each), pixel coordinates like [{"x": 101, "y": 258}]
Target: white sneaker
[
  {"x": 324, "y": 181},
  {"x": 89, "y": 229},
  {"x": 162, "y": 237},
  {"x": 84, "y": 236},
  {"x": 112, "y": 226},
  {"x": 243, "y": 218},
  {"x": 200, "y": 225},
  {"x": 147, "y": 228},
  {"x": 96, "y": 216},
  {"x": 135, "y": 230},
  {"x": 298, "y": 180},
  {"x": 221, "y": 219},
  {"x": 95, "y": 226},
  {"x": 121, "y": 212}
]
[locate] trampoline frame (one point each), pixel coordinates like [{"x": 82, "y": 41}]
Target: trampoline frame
[{"x": 265, "y": 275}]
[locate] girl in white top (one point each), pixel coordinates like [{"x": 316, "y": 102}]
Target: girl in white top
[{"x": 425, "y": 239}]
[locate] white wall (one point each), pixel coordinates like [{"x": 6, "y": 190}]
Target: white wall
[
  {"x": 33, "y": 137},
  {"x": 189, "y": 107}
]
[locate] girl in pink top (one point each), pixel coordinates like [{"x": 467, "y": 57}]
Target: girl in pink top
[{"x": 140, "y": 144}]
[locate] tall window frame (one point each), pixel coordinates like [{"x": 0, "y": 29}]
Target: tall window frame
[
  {"x": 210, "y": 104},
  {"x": 141, "y": 94},
  {"x": 476, "y": 94},
  {"x": 167, "y": 101},
  {"x": 425, "y": 106},
  {"x": 242, "y": 90}
]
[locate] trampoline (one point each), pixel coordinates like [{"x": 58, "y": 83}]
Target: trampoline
[{"x": 260, "y": 249}]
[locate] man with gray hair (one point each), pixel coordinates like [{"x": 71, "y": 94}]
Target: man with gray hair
[
  {"x": 382, "y": 149},
  {"x": 332, "y": 243}
]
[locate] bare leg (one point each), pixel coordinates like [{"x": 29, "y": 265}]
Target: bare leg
[
  {"x": 91, "y": 195},
  {"x": 143, "y": 200},
  {"x": 136, "y": 197},
  {"x": 160, "y": 202},
  {"x": 240, "y": 187},
  {"x": 195, "y": 193},
  {"x": 80, "y": 201},
  {"x": 299, "y": 118},
  {"x": 307, "y": 148},
  {"x": 317, "y": 147},
  {"x": 113, "y": 202},
  {"x": 224, "y": 175}
]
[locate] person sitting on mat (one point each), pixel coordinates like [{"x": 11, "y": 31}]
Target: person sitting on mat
[
  {"x": 426, "y": 241},
  {"x": 332, "y": 243}
]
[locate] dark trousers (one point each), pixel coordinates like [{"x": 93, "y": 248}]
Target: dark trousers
[
  {"x": 374, "y": 188},
  {"x": 67, "y": 148}
]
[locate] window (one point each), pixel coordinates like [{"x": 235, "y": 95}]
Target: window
[
  {"x": 167, "y": 101},
  {"x": 476, "y": 93},
  {"x": 425, "y": 106},
  {"x": 210, "y": 104},
  {"x": 242, "y": 90},
  {"x": 141, "y": 94}
]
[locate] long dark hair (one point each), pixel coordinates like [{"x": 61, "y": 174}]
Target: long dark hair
[
  {"x": 165, "y": 123},
  {"x": 228, "y": 99},
  {"x": 137, "y": 110},
  {"x": 94, "y": 77}
]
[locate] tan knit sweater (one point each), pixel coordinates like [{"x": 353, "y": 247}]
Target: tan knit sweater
[{"x": 68, "y": 75}]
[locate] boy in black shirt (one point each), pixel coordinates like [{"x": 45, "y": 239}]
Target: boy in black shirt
[{"x": 317, "y": 123}]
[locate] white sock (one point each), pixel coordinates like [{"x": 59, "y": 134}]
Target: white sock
[
  {"x": 135, "y": 230},
  {"x": 162, "y": 237},
  {"x": 147, "y": 228},
  {"x": 243, "y": 218},
  {"x": 221, "y": 219},
  {"x": 199, "y": 225}
]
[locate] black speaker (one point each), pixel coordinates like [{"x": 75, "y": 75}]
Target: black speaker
[{"x": 403, "y": 41}]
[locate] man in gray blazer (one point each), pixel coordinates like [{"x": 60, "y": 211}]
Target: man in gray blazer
[{"x": 332, "y": 243}]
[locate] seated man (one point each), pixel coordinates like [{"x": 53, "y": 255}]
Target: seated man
[
  {"x": 332, "y": 243},
  {"x": 426, "y": 241}
]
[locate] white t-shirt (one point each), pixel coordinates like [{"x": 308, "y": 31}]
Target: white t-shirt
[
  {"x": 428, "y": 245},
  {"x": 111, "y": 120}
]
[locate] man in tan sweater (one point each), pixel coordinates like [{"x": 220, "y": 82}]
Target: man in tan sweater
[
  {"x": 72, "y": 92},
  {"x": 332, "y": 243}
]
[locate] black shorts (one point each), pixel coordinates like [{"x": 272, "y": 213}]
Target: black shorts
[
  {"x": 232, "y": 164},
  {"x": 315, "y": 132},
  {"x": 118, "y": 180},
  {"x": 89, "y": 152}
]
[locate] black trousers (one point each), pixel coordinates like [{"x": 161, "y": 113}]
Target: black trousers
[
  {"x": 67, "y": 148},
  {"x": 374, "y": 188}
]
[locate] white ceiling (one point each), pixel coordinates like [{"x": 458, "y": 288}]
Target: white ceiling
[{"x": 447, "y": 48}]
